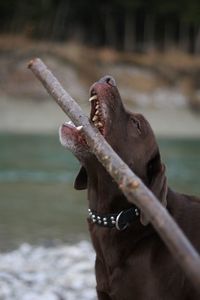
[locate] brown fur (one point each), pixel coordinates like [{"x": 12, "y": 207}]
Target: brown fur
[{"x": 134, "y": 264}]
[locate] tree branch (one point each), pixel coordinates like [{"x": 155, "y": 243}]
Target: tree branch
[{"x": 132, "y": 187}]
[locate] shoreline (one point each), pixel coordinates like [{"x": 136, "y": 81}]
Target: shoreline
[{"x": 160, "y": 86}]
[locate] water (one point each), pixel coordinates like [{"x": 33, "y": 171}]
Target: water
[{"x": 37, "y": 201}]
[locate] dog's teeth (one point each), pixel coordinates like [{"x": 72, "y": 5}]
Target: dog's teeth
[
  {"x": 94, "y": 97},
  {"x": 97, "y": 106},
  {"x": 79, "y": 128},
  {"x": 95, "y": 118},
  {"x": 100, "y": 124},
  {"x": 69, "y": 123},
  {"x": 97, "y": 112}
]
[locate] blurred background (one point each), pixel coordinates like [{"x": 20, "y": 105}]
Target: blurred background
[{"x": 152, "y": 48}]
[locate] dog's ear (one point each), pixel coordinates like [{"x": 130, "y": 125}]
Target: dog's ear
[
  {"x": 81, "y": 180},
  {"x": 157, "y": 182}
]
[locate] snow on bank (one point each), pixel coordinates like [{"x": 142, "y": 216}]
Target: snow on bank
[{"x": 65, "y": 272}]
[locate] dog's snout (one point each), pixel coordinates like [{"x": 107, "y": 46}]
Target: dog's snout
[{"x": 108, "y": 79}]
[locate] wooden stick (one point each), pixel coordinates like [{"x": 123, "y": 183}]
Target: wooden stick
[{"x": 132, "y": 187}]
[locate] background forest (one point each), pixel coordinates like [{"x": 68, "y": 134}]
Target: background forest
[{"x": 137, "y": 25}]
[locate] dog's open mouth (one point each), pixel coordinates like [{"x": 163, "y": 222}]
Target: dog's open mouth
[
  {"x": 102, "y": 99},
  {"x": 69, "y": 133}
]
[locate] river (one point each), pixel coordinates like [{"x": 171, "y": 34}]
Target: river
[{"x": 38, "y": 204}]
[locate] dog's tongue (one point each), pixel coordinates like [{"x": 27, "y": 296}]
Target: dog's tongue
[{"x": 72, "y": 138}]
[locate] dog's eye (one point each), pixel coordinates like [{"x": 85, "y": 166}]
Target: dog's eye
[{"x": 136, "y": 124}]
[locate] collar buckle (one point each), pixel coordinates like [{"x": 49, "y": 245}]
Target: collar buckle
[{"x": 120, "y": 225}]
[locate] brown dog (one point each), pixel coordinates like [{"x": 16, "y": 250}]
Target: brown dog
[{"x": 132, "y": 262}]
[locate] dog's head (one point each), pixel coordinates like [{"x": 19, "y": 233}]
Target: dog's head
[{"x": 129, "y": 134}]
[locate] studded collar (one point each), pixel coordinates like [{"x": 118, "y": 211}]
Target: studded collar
[{"x": 118, "y": 220}]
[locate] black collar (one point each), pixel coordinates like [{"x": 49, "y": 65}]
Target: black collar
[{"x": 118, "y": 220}]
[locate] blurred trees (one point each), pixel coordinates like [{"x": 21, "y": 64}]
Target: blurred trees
[{"x": 132, "y": 25}]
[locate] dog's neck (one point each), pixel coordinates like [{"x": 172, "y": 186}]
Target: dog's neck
[{"x": 104, "y": 196}]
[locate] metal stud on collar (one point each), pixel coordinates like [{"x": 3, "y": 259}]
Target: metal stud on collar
[
  {"x": 90, "y": 212},
  {"x": 136, "y": 211}
]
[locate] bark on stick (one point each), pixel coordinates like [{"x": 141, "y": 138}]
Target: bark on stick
[{"x": 132, "y": 187}]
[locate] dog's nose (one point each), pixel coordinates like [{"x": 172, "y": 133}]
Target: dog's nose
[{"x": 108, "y": 79}]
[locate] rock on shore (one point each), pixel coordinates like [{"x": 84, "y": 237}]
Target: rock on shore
[{"x": 65, "y": 272}]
